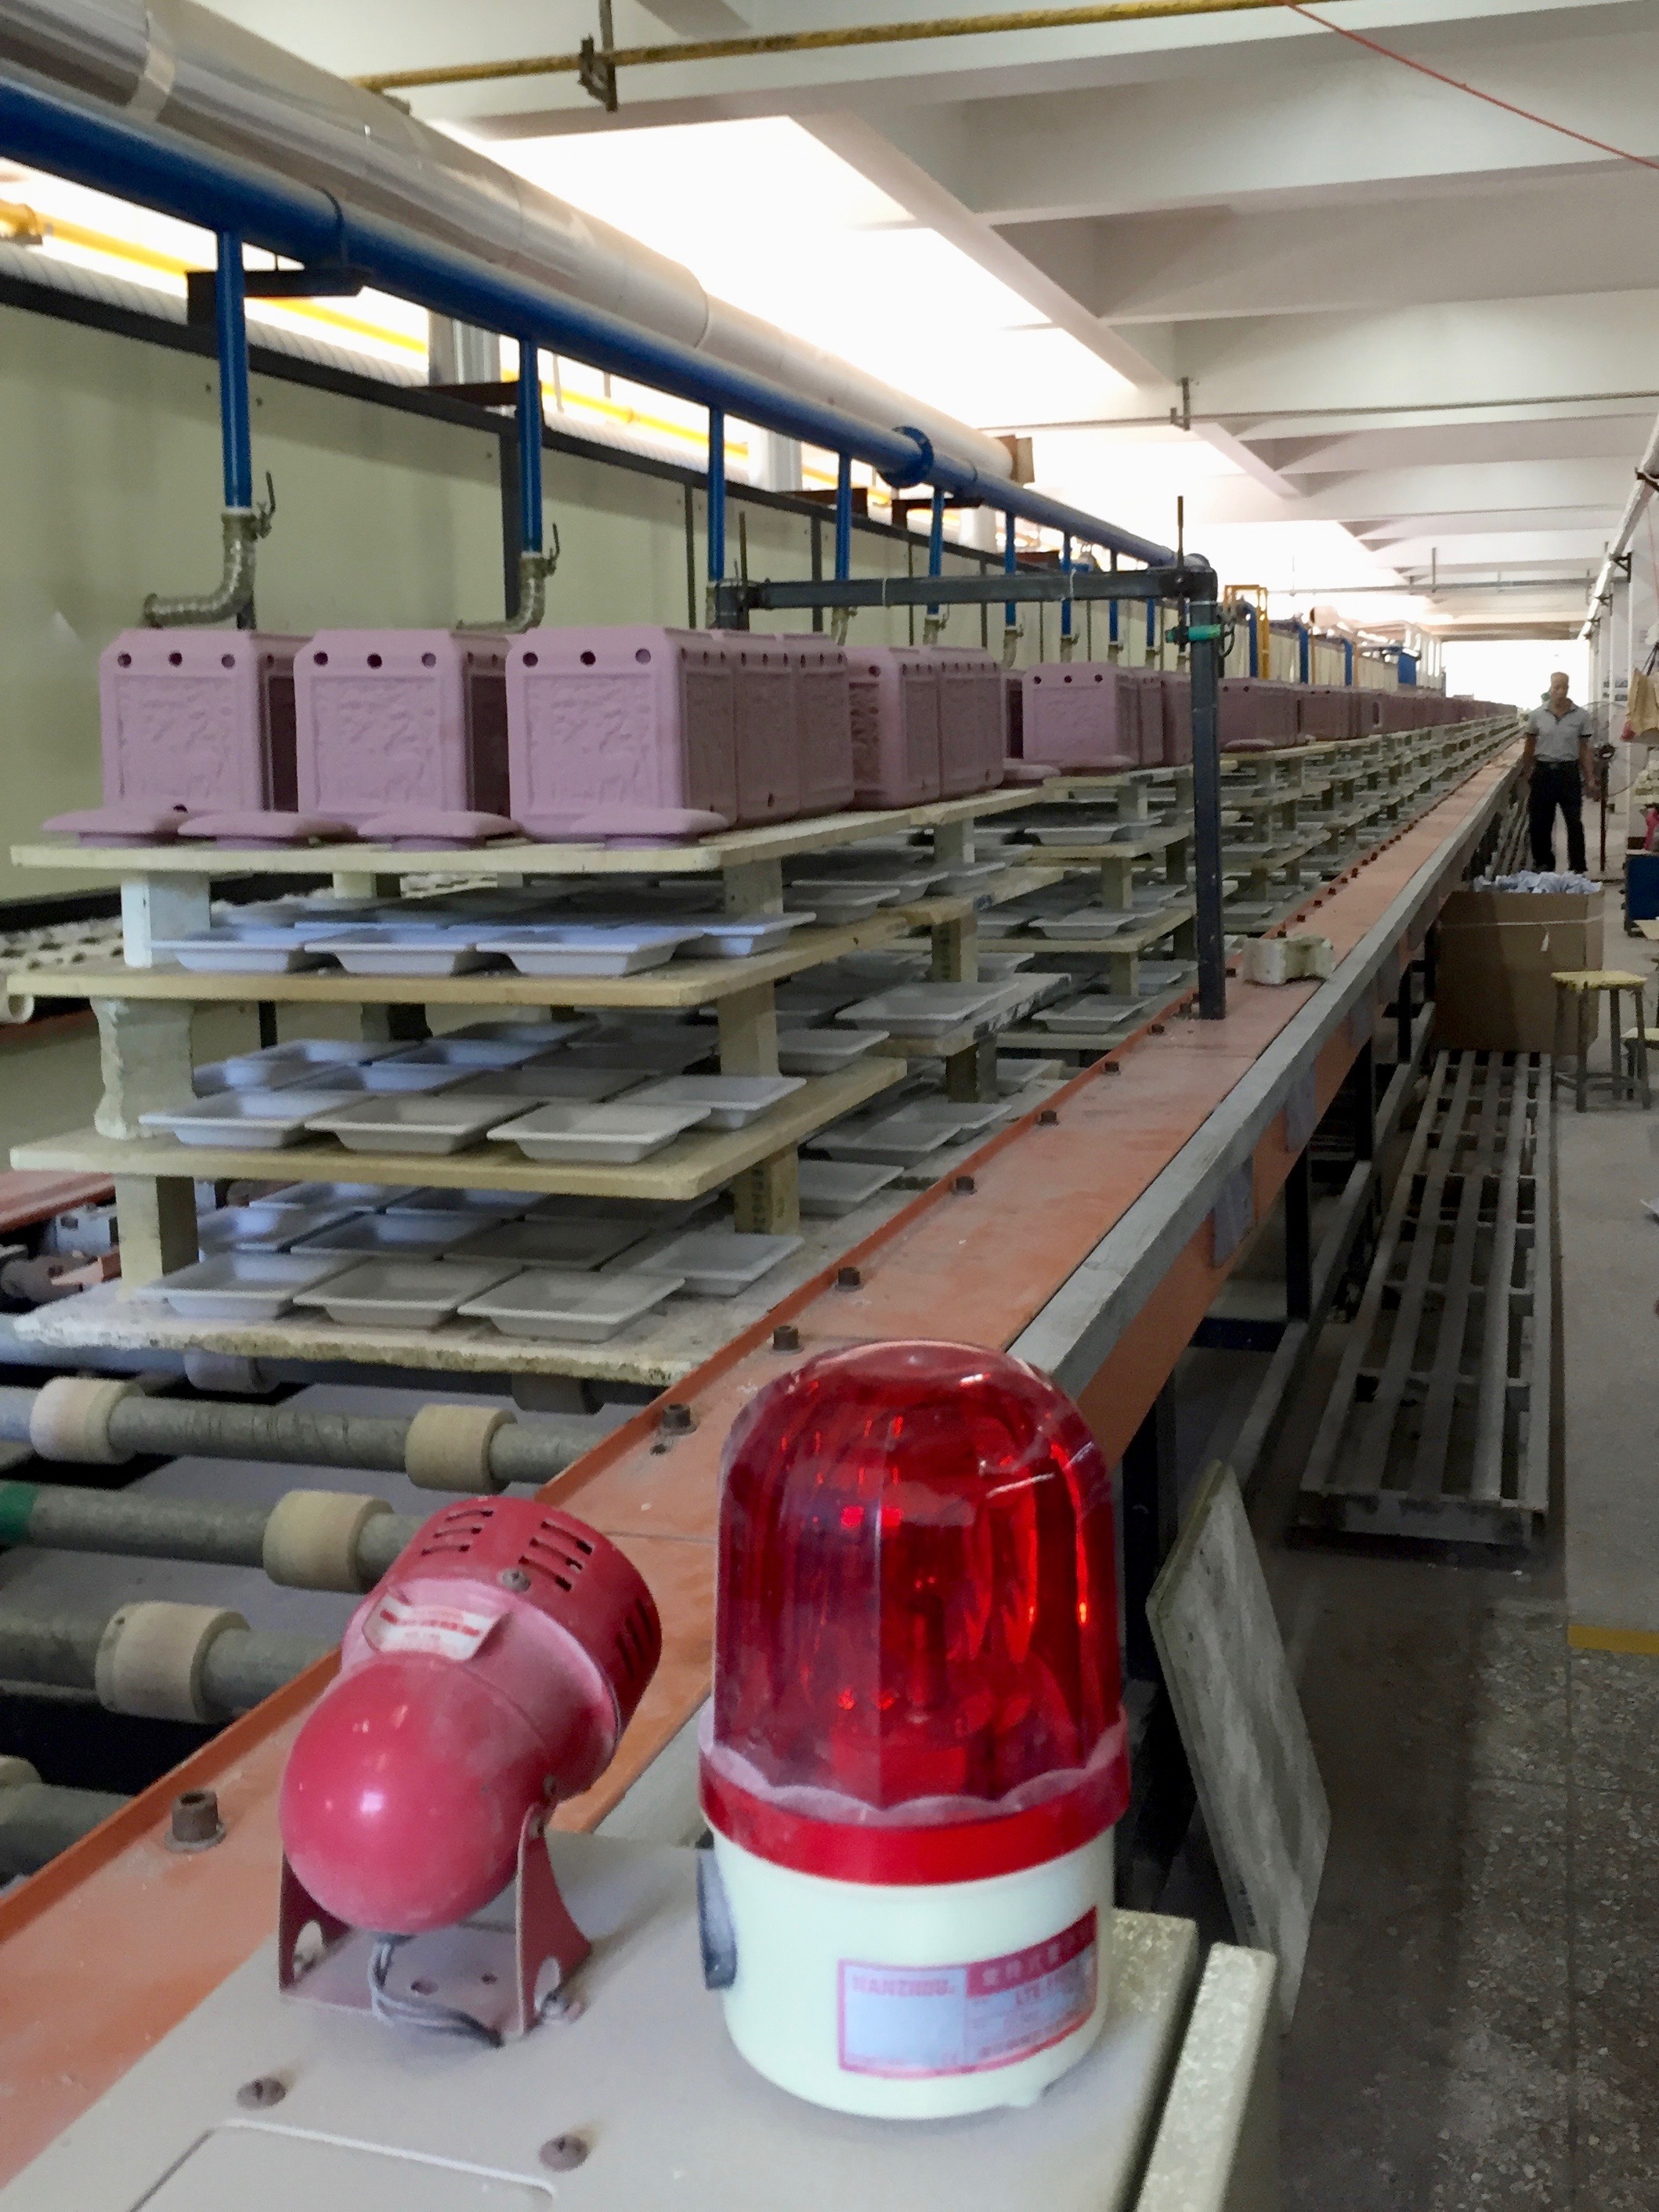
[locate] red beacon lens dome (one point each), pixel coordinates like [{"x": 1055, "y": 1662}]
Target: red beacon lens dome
[{"x": 916, "y": 1640}]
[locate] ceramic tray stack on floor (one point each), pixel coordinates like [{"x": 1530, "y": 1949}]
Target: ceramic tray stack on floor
[{"x": 639, "y": 1036}]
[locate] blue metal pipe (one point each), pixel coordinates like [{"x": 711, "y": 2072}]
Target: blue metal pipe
[
  {"x": 844, "y": 519},
  {"x": 1010, "y": 562},
  {"x": 936, "y": 539},
  {"x": 1254, "y": 618},
  {"x": 1066, "y": 604},
  {"x": 716, "y": 496},
  {"x": 79, "y": 139},
  {"x": 1152, "y": 628},
  {"x": 1304, "y": 653},
  {"x": 235, "y": 409},
  {"x": 1347, "y": 660},
  {"x": 529, "y": 447}
]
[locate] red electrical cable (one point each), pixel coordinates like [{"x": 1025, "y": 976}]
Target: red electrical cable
[{"x": 1492, "y": 99}]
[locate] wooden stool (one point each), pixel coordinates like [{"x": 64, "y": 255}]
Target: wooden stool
[{"x": 1580, "y": 986}]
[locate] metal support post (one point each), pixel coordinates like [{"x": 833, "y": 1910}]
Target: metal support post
[
  {"x": 844, "y": 519},
  {"x": 1298, "y": 1240},
  {"x": 1161, "y": 1808},
  {"x": 1152, "y": 1521},
  {"x": 1009, "y": 610},
  {"x": 1153, "y": 614},
  {"x": 935, "y": 617},
  {"x": 1304, "y": 653},
  {"x": 1204, "y": 628},
  {"x": 530, "y": 448},
  {"x": 1114, "y": 639},
  {"x": 1404, "y": 1013},
  {"x": 235, "y": 409},
  {"x": 1067, "y": 641},
  {"x": 716, "y": 512}
]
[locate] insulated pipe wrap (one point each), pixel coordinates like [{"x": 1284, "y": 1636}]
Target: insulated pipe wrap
[
  {"x": 71, "y": 1417},
  {"x": 152, "y": 1657},
  {"x": 38, "y": 1820},
  {"x": 273, "y": 1433},
  {"x": 312, "y": 1538}
]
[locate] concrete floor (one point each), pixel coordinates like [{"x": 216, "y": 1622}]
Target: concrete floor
[{"x": 1476, "y": 2027}]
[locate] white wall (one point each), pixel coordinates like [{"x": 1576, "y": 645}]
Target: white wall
[{"x": 1517, "y": 670}]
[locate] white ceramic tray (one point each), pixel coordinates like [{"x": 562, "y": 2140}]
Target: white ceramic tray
[
  {"x": 735, "y": 940},
  {"x": 821, "y": 1052},
  {"x": 260, "y": 1229},
  {"x": 540, "y": 1036},
  {"x": 544, "y": 1302},
  {"x": 275, "y": 1066},
  {"x": 922, "y": 1009},
  {"x": 240, "y": 1285},
  {"x": 477, "y": 1205},
  {"x": 835, "y": 904},
  {"x": 671, "y": 1053},
  {"x": 402, "y": 1293},
  {"x": 829, "y": 1188},
  {"x": 467, "y": 1054},
  {"x": 575, "y": 1242},
  {"x": 1095, "y": 1011},
  {"x": 718, "y": 1263},
  {"x": 387, "y": 1236},
  {"x": 398, "y": 1122},
  {"x": 617, "y": 1131},
  {"x": 586, "y": 948},
  {"x": 252, "y": 1121},
  {"x": 585, "y": 1086},
  {"x": 237, "y": 952},
  {"x": 349, "y": 1197},
  {"x": 409, "y": 952},
  {"x": 732, "y": 1101},
  {"x": 899, "y": 1138}
]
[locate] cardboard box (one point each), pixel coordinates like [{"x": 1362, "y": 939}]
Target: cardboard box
[{"x": 1498, "y": 951}]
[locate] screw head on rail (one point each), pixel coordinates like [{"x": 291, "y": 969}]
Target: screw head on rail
[
  {"x": 260, "y": 2094},
  {"x": 964, "y": 1185},
  {"x": 849, "y": 1279},
  {"x": 786, "y": 1337},
  {"x": 564, "y": 2154},
  {"x": 1047, "y": 1119},
  {"x": 676, "y": 1418},
  {"x": 195, "y": 1824}
]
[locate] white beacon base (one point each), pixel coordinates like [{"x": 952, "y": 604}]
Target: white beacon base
[{"x": 919, "y": 2002}]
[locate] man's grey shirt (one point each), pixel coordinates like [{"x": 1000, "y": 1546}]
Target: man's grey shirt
[{"x": 1558, "y": 739}]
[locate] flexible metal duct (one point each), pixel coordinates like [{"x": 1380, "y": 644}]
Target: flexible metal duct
[{"x": 182, "y": 65}]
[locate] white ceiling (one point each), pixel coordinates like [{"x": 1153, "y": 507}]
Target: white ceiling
[{"x": 1420, "y": 335}]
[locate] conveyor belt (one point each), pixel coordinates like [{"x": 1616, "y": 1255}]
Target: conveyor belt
[{"x": 1085, "y": 1243}]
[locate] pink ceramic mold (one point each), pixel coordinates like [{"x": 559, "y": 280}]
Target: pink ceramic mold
[
  {"x": 1177, "y": 720},
  {"x": 1256, "y": 715},
  {"x": 393, "y": 720},
  {"x": 436, "y": 827},
  {"x": 1157, "y": 707},
  {"x": 129, "y": 824},
  {"x": 895, "y": 700},
  {"x": 972, "y": 722},
  {"x": 257, "y": 825},
  {"x": 199, "y": 718},
  {"x": 633, "y": 725},
  {"x": 824, "y": 716},
  {"x": 1082, "y": 715},
  {"x": 765, "y": 709}
]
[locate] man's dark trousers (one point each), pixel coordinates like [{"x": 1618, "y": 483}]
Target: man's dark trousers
[{"x": 1556, "y": 783}]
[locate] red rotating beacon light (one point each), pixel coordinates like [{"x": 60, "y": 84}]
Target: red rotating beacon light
[
  {"x": 917, "y": 1751},
  {"x": 489, "y": 1674}
]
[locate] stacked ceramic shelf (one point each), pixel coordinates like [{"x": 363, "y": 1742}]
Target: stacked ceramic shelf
[
  {"x": 1121, "y": 923},
  {"x": 499, "y": 1110}
]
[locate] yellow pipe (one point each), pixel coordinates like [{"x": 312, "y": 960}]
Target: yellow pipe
[{"x": 806, "y": 42}]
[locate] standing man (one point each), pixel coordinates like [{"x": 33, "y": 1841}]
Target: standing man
[{"x": 1559, "y": 770}]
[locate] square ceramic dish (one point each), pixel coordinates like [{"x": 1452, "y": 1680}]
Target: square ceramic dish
[
  {"x": 617, "y": 1132},
  {"x": 552, "y": 1079},
  {"x": 398, "y": 1121},
  {"x": 558, "y": 948},
  {"x": 240, "y": 1285},
  {"x": 732, "y": 1101},
  {"x": 255, "y": 1229},
  {"x": 738, "y": 939},
  {"x": 835, "y": 904},
  {"x": 1095, "y": 1009},
  {"x": 575, "y": 1243},
  {"x": 718, "y": 1263},
  {"x": 387, "y": 1236},
  {"x": 821, "y": 1052},
  {"x": 349, "y": 1197},
  {"x": 406, "y": 951},
  {"x": 401, "y": 1293},
  {"x": 238, "y": 952},
  {"x": 248, "y": 1120},
  {"x": 922, "y": 1009},
  {"x": 273, "y": 1066},
  {"x": 376, "y": 1076},
  {"x": 467, "y": 1207},
  {"x": 545, "y": 1302},
  {"x": 540, "y": 1036},
  {"x": 829, "y": 1188},
  {"x": 670, "y": 1054},
  {"x": 467, "y": 1055},
  {"x": 899, "y": 1138}
]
